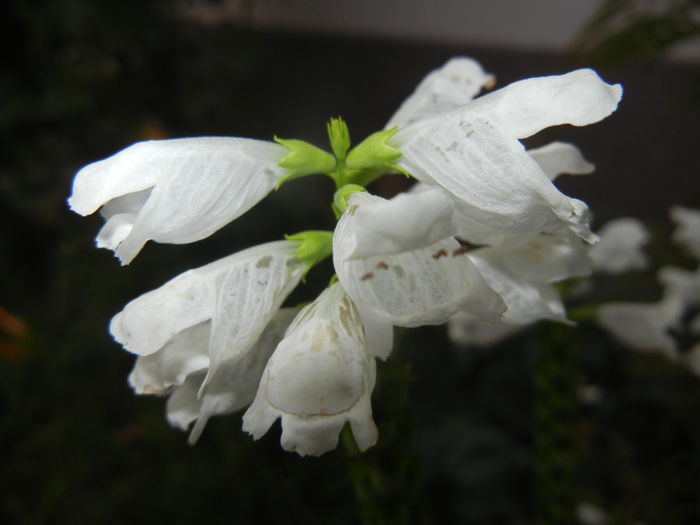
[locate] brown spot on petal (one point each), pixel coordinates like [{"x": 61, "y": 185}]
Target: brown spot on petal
[
  {"x": 439, "y": 253},
  {"x": 367, "y": 276},
  {"x": 382, "y": 265}
]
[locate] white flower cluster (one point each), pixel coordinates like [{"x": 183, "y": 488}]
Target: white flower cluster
[
  {"x": 647, "y": 326},
  {"x": 484, "y": 232}
]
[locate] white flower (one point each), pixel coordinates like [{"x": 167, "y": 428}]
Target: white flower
[
  {"x": 620, "y": 246},
  {"x": 688, "y": 231},
  {"x": 208, "y": 320},
  {"x": 442, "y": 90},
  {"x": 411, "y": 288},
  {"x": 175, "y": 191},
  {"x": 643, "y": 326},
  {"x": 318, "y": 378},
  {"x": 522, "y": 272},
  {"x": 474, "y": 154},
  {"x": 232, "y": 388}
]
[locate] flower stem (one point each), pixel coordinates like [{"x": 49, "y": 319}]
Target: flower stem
[{"x": 555, "y": 403}]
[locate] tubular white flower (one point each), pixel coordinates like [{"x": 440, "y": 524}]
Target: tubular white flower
[
  {"x": 318, "y": 378},
  {"x": 688, "y": 231},
  {"x": 232, "y": 388},
  {"x": 643, "y": 326},
  {"x": 620, "y": 246},
  {"x": 237, "y": 295},
  {"x": 175, "y": 191},
  {"x": 446, "y": 88},
  {"x": 411, "y": 288},
  {"x": 474, "y": 153},
  {"x": 522, "y": 271}
]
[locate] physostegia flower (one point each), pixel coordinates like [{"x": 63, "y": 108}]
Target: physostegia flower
[{"x": 485, "y": 233}]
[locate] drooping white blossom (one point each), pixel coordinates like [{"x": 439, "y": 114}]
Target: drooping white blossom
[
  {"x": 474, "y": 153},
  {"x": 643, "y": 326},
  {"x": 410, "y": 288},
  {"x": 232, "y": 388},
  {"x": 318, "y": 378},
  {"x": 175, "y": 191},
  {"x": 620, "y": 247}
]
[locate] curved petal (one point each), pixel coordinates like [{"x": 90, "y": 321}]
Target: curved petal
[
  {"x": 184, "y": 354},
  {"x": 233, "y": 388},
  {"x": 239, "y": 293},
  {"x": 197, "y": 186},
  {"x": 406, "y": 222},
  {"x": 620, "y": 246},
  {"x": 318, "y": 378},
  {"x": 412, "y": 288},
  {"x": 561, "y": 157},
  {"x": 495, "y": 184},
  {"x": 523, "y": 108},
  {"x": 447, "y": 88}
]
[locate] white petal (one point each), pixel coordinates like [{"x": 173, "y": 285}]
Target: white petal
[
  {"x": 412, "y": 288},
  {"x": 184, "y": 354},
  {"x": 183, "y": 404},
  {"x": 643, "y": 326},
  {"x": 235, "y": 383},
  {"x": 465, "y": 329},
  {"x": 115, "y": 230},
  {"x": 544, "y": 258},
  {"x": 234, "y": 387},
  {"x": 528, "y": 106},
  {"x": 620, "y": 246},
  {"x": 682, "y": 284},
  {"x": 318, "y": 378},
  {"x": 495, "y": 183},
  {"x": 245, "y": 288},
  {"x": 406, "y": 222},
  {"x": 561, "y": 157},
  {"x": 451, "y": 86},
  {"x": 526, "y": 301},
  {"x": 688, "y": 231},
  {"x": 197, "y": 185}
]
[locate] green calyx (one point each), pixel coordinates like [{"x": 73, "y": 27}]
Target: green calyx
[
  {"x": 314, "y": 247},
  {"x": 341, "y": 196},
  {"x": 303, "y": 159},
  {"x": 367, "y": 161},
  {"x": 375, "y": 153}
]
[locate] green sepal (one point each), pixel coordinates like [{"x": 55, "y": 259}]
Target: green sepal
[
  {"x": 339, "y": 137},
  {"x": 341, "y": 196},
  {"x": 375, "y": 153},
  {"x": 303, "y": 159},
  {"x": 314, "y": 247}
]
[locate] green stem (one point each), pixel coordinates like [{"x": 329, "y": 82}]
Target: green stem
[{"x": 556, "y": 381}]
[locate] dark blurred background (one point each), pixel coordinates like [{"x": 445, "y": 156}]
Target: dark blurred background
[{"x": 82, "y": 79}]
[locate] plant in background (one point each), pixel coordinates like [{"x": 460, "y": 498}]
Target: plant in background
[{"x": 484, "y": 233}]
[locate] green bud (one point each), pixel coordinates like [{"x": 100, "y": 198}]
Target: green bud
[
  {"x": 303, "y": 159},
  {"x": 314, "y": 247},
  {"x": 339, "y": 137},
  {"x": 340, "y": 198},
  {"x": 375, "y": 154}
]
